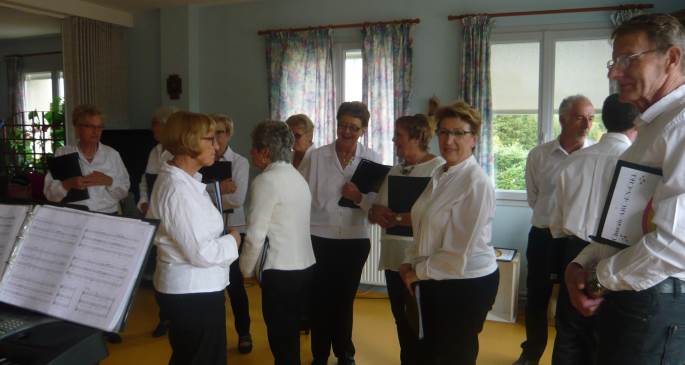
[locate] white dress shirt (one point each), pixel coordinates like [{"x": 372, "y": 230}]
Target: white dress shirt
[
  {"x": 240, "y": 173},
  {"x": 452, "y": 223},
  {"x": 582, "y": 187},
  {"x": 192, "y": 255},
  {"x": 104, "y": 199},
  {"x": 279, "y": 209},
  {"x": 393, "y": 248},
  {"x": 326, "y": 178},
  {"x": 542, "y": 169},
  {"x": 659, "y": 254},
  {"x": 158, "y": 155}
]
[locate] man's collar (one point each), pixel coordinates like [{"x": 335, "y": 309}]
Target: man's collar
[{"x": 661, "y": 106}]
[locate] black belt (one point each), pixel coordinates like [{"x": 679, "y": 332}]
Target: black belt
[{"x": 671, "y": 285}]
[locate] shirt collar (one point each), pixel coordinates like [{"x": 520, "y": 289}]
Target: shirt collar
[
  {"x": 618, "y": 137},
  {"x": 556, "y": 145},
  {"x": 276, "y": 164},
  {"x": 195, "y": 181},
  {"x": 228, "y": 154},
  {"x": 458, "y": 167},
  {"x": 661, "y": 106}
]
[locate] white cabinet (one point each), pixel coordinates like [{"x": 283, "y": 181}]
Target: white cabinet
[{"x": 506, "y": 302}]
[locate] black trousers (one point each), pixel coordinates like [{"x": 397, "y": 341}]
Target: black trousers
[
  {"x": 543, "y": 269},
  {"x": 337, "y": 272},
  {"x": 284, "y": 292},
  {"x": 398, "y": 294},
  {"x": 645, "y": 327},
  {"x": 238, "y": 296},
  {"x": 576, "y": 340},
  {"x": 197, "y": 327},
  {"x": 453, "y": 313}
]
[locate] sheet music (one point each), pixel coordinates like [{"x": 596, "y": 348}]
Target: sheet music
[
  {"x": 77, "y": 266},
  {"x": 11, "y": 218},
  {"x": 632, "y": 191}
]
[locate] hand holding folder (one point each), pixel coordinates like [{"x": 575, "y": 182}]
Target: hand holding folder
[
  {"x": 368, "y": 178},
  {"x": 66, "y": 167}
]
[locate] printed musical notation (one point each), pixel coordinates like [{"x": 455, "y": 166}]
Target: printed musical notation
[{"x": 75, "y": 265}]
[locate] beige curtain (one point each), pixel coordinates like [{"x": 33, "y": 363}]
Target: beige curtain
[{"x": 95, "y": 68}]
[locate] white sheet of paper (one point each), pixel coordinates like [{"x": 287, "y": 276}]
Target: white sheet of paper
[
  {"x": 11, "y": 218},
  {"x": 78, "y": 266},
  {"x": 633, "y": 190}
]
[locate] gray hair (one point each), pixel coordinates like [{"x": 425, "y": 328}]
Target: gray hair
[
  {"x": 163, "y": 112},
  {"x": 226, "y": 120},
  {"x": 277, "y": 137},
  {"x": 568, "y": 102},
  {"x": 662, "y": 30}
]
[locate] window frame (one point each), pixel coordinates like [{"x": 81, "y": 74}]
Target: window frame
[{"x": 547, "y": 38}]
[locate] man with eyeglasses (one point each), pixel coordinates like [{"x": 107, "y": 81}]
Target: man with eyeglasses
[
  {"x": 576, "y": 114},
  {"x": 642, "y": 310}
]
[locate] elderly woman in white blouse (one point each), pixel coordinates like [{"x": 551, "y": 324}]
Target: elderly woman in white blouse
[
  {"x": 452, "y": 261},
  {"x": 411, "y": 138},
  {"x": 340, "y": 235},
  {"x": 193, "y": 253},
  {"x": 303, "y": 131},
  {"x": 280, "y": 204}
]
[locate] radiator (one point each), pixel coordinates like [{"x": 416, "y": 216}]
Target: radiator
[{"x": 371, "y": 275}]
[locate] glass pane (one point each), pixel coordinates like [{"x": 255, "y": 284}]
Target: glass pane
[
  {"x": 515, "y": 69},
  {"x": 353, "y": 75},
  {"x": 60, "y": 84},
  {"x": 580, "y": 68},
  {"x": 514, "y": 135},
  {"x": 515, "y": 81},
  {"x": 38, "y": 91}
]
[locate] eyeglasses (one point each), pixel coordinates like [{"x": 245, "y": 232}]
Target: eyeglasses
[
  {"x": 212, "y": 140},
  {"x": 349, "y": 127},
  {"x": 444, "y": 132},
  {"x": 622, "y": 62},
  {"x": 91, "y": 127},
  {"x": 220, "y": 132}
]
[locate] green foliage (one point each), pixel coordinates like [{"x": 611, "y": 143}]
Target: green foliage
[{"x": 514, "y": 136}]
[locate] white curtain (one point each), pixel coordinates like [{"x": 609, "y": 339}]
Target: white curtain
[{"x": 95, "y": 67}]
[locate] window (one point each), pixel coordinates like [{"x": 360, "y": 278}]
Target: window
[
  {"x": 353, "y": 75},
  {"x": 38, "y": 130},
  {"x": 531, "y": 74}
]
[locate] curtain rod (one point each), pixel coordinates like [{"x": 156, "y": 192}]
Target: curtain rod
[
  {"x": 33, "y": 54},
  {"x": 337, "y": 26},
  {"x": 558, "y": 11}
]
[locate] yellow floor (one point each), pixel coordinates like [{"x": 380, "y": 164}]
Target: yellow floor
[{"x": 374, "y": 337}]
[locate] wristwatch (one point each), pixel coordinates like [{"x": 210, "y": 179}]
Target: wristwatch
[
  {"x": 593, "y": 288},
  {"x": 398, "y": 218}
]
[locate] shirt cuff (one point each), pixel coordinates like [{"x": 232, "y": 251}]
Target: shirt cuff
[{"x": 421, "y": 269}]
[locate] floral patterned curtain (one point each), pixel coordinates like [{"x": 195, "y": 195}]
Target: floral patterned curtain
[
  {"x": 387, "y": 64},
  {"x": 300, "y": 73},
  {"x": 475, "y": 82},
  {"x": 15, "y": 87}
]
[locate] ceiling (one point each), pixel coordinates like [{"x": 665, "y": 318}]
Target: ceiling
[
  {"x": 19, "y": 24},
  {"x": 141, "y": 5}
]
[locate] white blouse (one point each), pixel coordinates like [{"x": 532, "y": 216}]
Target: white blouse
[
  {"x": 279, "y": 209},
  {"x": 393, "y": 248},
  {"x": 326, "y": 178},
  {"x": 452, "y": 223},
  {"x": 104, "y": 199},
  {"x": 158, "y": 155},
  {"x": 240, "y": 172},
  {"x": 192, "y": 254}
]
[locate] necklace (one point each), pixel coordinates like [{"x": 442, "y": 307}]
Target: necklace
[
  {"x": 406, "y": 168},
  {"x": 345, "y": 159}
]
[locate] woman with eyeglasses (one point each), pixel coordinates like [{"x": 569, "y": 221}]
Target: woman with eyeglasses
[
  {"x": 340, "y": 235},
  {"x": 303, "y": 131},
  {"x": 411, "y": 138},
  {"x": 452, "y": 262},
  {"x": 104, "y": 174},
  {"x": 193, "y": 253}
]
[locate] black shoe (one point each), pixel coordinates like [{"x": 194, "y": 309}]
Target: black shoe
[
  {"x": 245, "y": 344},
  {"x": 160, "y": 330},
  {"x": 346, "y": 361},
  {"x": 318, "y": 362},
  {"x": 524, "y": 361},
  {"x": 112, "y": 337}
]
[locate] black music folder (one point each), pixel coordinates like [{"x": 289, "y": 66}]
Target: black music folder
[
  {"x": 219, "y": 171},
  {"x": 65, "y": 167},
  {"x": 402, "y": 194},
  {"x": 368, "y": 177}
]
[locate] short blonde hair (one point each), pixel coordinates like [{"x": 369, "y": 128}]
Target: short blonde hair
[
  {"x": 417, "y": 127},
  {"x": 84, "y": 111},
  {"x": 226, "y": 120},
  {"x": 300, "y": 120},
  {"x": 184, "y": 131},
  {"x": 462, "y": 111},
  {"x": 163, "y": 112}
]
